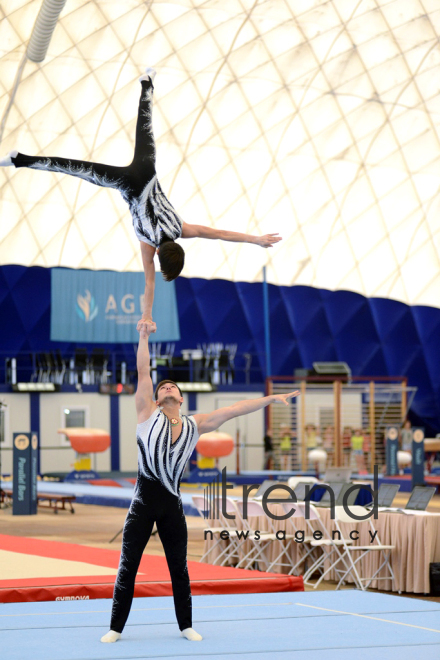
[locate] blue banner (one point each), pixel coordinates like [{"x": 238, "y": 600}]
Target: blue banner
[
  {"x": 105, "y": 306},
  {"x": 418, "y": 457},
  {"x": 392, "y": 445},
  {"x": 24, "y": 487}
]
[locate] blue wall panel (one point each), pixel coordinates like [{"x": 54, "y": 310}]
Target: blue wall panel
[{"x": 375, "y": 336}]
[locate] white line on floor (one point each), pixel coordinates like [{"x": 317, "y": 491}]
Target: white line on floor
[
  {"x": 365, "y": 616},
  {"x": 144, "y": 609}
]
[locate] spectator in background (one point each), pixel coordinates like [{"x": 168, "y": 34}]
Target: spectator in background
[
  {"x": 311, "y": 437},
  {"x": 357, "y": 449},
  {"x": 346, "y": 444},
  {"x": 285, "y": 447},
  {"x": 406, "y": 436},
  {"x": 328, "y": 442},
  {"x": 318, "y": 437},
  {"x": 367, "y": 440},
  {"x": 268, "y": 451},
  {"x": 367, "y": 447}
]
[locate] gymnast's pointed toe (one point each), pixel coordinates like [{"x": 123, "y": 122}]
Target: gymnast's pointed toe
[
  {"x": 148, "y": 75},
  {"x": 7, "y": 160}
]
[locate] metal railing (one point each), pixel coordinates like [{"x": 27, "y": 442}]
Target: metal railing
[{"x": 215, "y": 363}]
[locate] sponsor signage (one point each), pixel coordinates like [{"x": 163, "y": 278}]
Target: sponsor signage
[
  {"x": 105, "y": 306},
  {"x": 418, "y": 457},
  {"x": 392, "y": 446},
  {"x": 24, "y": 491}
]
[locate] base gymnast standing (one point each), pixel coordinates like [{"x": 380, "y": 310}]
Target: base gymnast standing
[
  {"x": 166, "y": 440},
  {"x": 156, "y": 223}
]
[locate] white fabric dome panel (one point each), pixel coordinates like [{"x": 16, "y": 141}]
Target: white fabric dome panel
[{"x": 315, "y": 119}]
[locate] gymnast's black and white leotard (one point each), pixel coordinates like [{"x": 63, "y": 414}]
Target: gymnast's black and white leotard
[
  {"x": 158, "y": 458},
  {"x": 157, "y": 501},
  {"x": 154, "y": 218}
]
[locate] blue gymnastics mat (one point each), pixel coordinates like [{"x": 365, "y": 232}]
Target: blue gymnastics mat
[
  {"x": 326, "y": 625},
  {"x": 101, "y": 495}
]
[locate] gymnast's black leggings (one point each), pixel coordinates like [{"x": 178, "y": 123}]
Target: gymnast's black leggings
[
  {"x": 130, "y": 180},
  {"x": 156, "y": 505}
]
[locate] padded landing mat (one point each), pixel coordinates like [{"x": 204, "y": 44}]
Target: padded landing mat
[{"x": 67, "y": 571}]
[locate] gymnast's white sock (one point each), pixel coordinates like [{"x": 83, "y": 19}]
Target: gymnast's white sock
[
  {"x": 149, "y": 73},
  {"x": 191, "y": 634},
  {"x": 6, "y": 161},
  {"x": 111, "y": 636}
]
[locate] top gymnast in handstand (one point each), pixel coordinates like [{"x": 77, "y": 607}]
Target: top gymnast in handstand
[{"x": 155, "y": 222}]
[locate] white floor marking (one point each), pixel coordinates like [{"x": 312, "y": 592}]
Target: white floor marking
[
  {"x": 365, "y": 616},
  {"x": 145, "y": 609}
]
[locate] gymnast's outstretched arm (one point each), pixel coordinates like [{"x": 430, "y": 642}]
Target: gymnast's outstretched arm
[
  {"x": 144, "y": 392},
  {"x": 148, "y": 252},
  {"x": 200, "y": 231},
  {"x": 212, "y": 421}
]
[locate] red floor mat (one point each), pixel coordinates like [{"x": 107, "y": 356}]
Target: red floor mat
[{"x": 153, "y": 578}]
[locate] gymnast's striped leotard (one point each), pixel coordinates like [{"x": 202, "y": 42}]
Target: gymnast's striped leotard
[
  {"x": 158, "y": 458},
  {"x": 154, "y": 218}
]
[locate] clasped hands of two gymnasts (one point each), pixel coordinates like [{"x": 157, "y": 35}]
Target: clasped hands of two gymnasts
[{"x": 146, "y": 325}]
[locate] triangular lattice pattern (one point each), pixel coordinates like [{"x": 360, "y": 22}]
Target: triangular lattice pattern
[{"x": 315, "y": 119}]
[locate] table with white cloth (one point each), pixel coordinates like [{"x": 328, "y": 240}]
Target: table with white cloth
[{"x": 415, "y": 535}]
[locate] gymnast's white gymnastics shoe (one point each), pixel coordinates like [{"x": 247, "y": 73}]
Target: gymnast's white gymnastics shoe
[
  {"x": 191, "y": 634},
  {"x": 111, "y": 636},
  {"x": 6, "y": 161},
  {"x": 149, "y": 74}
]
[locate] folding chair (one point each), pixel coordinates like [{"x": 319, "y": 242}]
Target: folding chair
[
  {"x": 199, "y": 503},
  {"x": 258, "y": 546},
  {"x": 236, "y": 533},
  {"x": 332, "y": 550},
  {"x": 292, "y": 482},
  {"x": 289, "y": 537},
  {"x": 310, "y": 550},
  {"x": 60, "y": 366},
  {"x": 342, "y": 516},
  {"x": 231, "y": 550}
]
